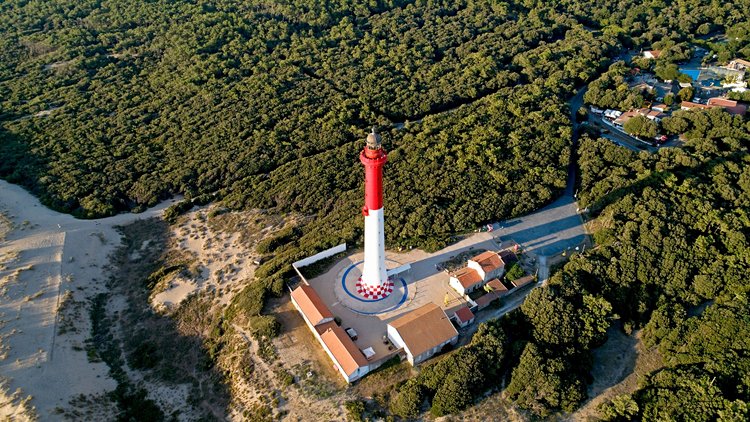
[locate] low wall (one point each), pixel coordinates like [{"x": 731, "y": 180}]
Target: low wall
[{"x": 315, "y": 258}]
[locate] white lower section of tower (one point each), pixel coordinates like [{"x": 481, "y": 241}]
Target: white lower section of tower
[{"x": 374, "y": 271}]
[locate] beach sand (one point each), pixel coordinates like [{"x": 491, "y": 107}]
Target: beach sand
[{"x": 51, "y": 264}]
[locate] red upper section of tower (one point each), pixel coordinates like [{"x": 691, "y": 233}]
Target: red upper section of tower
[{"x": 373, "y": 160}]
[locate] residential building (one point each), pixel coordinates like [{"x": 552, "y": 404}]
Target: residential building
[
  {"x": 488, "y": 264},
  {"x": 654, "y": 115},
  {"x": 478, "y": 271},
  {"x": 422, "y": 332},
  {"x": 731, "y": 106},
  {"x": 624, "y": 117},
  {"x": 652, "y": 54},
  {"x": 661, "y": 108},
  {"x": 739, "y": 64},
  {"x": 689, "y": 105},
  {"x": 465, "y": 280}
]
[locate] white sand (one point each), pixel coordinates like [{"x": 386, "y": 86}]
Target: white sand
[
  {"x": 222, "y": 262},
  {"x": 46, "y": 255}
]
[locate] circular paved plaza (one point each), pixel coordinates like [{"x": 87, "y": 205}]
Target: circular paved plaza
[{"x": 349, "y": 293}]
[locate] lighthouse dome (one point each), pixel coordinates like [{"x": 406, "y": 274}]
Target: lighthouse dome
[{"x": 373, "y": 140}]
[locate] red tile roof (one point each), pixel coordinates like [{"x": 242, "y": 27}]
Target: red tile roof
[
  {"x": 345, "y": 352},
  {"x": 722, "y": 102},
  {"x": 310, "y": 304},
  {"x": 485, "y": 300},
  {"x": 690, "y": 104},
  {"x": 496, "y": 285},
  {"x": 468, "y": 277},
  {"x": 624, "y": 117},
  {"x": 464, "y": 315},
  {"x": 523, "y": 281},
  {"x": 489, "y": 261},
  {"x": 730, "y": 105}
]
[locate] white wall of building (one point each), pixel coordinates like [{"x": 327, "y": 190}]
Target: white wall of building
[
  {"x": 395, "y": 338},
  {"x": 318, "y": 256},
  {"x": 428, "y": 354},
  {"x": 478, "y": 268},
  {"x": 456, "y": 285}
]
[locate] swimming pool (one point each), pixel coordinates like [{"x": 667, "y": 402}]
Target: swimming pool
[{"x": 693, "y": 73}]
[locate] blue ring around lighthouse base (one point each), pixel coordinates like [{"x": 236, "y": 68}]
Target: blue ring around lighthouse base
[{"x": 353, "y": 296}]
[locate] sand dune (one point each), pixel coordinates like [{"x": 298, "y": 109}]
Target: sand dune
[{"x": 50, "y": 265}]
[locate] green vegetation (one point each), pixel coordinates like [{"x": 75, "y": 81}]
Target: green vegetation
[
  {"x": 355, "y": 410},
  {"x": 514, "y": 272},
  {"x": 611, "y": 90},
  {"x": 454, "y": 382},
  {"x": 641, "y": 126},
  {"x": 671, "y": 255},
  {"x": 265, "y": 105}
]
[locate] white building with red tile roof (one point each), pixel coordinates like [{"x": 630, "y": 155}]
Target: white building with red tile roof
[
  {"x": 463, "y": 316},
  {"x": 348, "y": 360},
  {"x": 488, "y": 264},
  {"x": 465, "y": 280},
  {"x": 478, "y": 271}
]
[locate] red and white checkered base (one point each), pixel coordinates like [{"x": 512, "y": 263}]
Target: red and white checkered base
[{"x": 374, "y": 292}]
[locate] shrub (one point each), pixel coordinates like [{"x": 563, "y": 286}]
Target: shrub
[
  {"x": 514, "y": 272},
  {"x": 263, "y": 326},
  {"x": 355, "y": 410},
  {"x": 408, "y": 402}
]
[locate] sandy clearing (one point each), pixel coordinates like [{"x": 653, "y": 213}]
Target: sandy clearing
[
  {"x": 618, "y": 366},
  {"x": 45, "y": 257}
]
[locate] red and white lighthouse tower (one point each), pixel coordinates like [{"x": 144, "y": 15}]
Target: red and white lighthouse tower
[{"x": 374, "y": 283}]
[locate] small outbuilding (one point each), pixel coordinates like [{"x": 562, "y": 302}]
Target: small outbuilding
[
  {"x": 463, "y": 316},
  {"x": 520, "y": 282}
]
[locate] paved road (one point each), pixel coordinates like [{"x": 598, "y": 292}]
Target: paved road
[
  {"x": 558, "y": 226},
  {"x": 544, "y": 233}
]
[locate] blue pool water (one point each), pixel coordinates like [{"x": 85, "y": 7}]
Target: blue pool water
[{"x": 693, "y": 73}]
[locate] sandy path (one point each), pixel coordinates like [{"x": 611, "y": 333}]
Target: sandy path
[{"x": 50, "y": 265}]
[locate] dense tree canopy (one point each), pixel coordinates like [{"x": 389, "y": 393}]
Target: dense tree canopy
[
  {"x": 109, "y": 106},
  {"x": 671, "y": 257}
]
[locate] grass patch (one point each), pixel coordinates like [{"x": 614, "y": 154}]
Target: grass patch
[
  {"x": 312, "y": 384},
  {"x": 385, "y": 378}
]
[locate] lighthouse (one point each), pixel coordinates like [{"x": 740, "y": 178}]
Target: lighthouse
[{"x": 374, "y": 283}]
